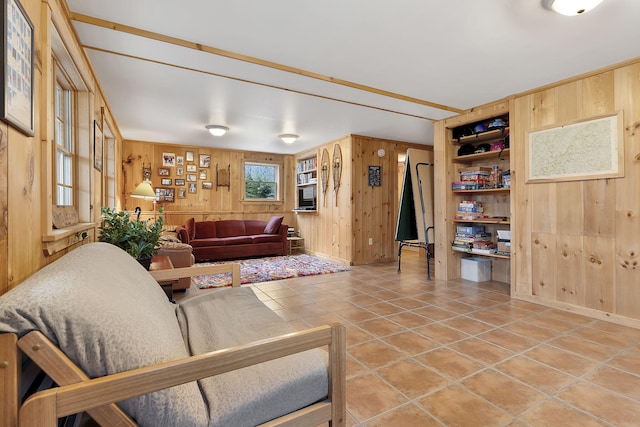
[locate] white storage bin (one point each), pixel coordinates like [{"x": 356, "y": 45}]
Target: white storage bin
[{"x": 476, "y": 269}]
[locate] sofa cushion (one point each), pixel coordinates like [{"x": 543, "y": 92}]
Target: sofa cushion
[
  {"x": 230, "y": 228},
  {"x": 256, "y": 394},
  {"x": 183, "y": 234},
  {"x": 214, "y": 241},
  {"x": 190, "y": 226},
  {"x": 265, "y": 238},
  {"x": 273, "y": 225},
  {"x": 206, "y": 229},
  {"x": 108, "y": 315},
  {"x": 237, "y": 240}
]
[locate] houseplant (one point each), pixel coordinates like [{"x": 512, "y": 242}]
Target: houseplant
[{"x": 139, "y": 238}]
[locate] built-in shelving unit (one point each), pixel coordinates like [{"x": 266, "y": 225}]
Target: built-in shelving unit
[{"x": 307, "y": 185}]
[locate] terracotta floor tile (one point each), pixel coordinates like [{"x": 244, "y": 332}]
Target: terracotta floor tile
[
  {"x": 607, "y": 406},
  {"x": 455, "y": 406},
  {"x": 434, "y": 313},
  {"x": 553, "y": 413},
  {"x": 481, "y": 350},
  {"x": 625, "y": 331},
  {"x": 412, "y": 378},
  {"x": 457, "y": 307},
  {"x": 537, "y": 375},
  {"x": 441, "y": 333},
  {"x": 560, "y": 359},
  {"x": 355, "y": 368},
  {"x": 617, "y": 381},
  {"x": 409, "y": 319},
  {"x": 513, "y": 312},
  {"x": 508, "y": 340},
  {"x": 407, "y": 303},
  {"x": 583, "y": 348},
  {"x": 545, "y": 321},
  {"x": 357, "y": 314},
  {"x": 568, "y": 316},
  {"x": 468, "y": 325},
  {"x": 410, "y": 343},
  {"x": 449, "y": 363},
  {"x": 525, "y": 329},
  {"x": 603, "y": 338},
  {"x": 375, "y": 354},
  {"x": 368, "y": 396},
  {"x": 384, "y": 308},
  {"x": 488, "y": 316},
  {"x": 362, "y": 299},
  {"x": 404, "y": 416},
  {"x": 380, "y": 327},
  {"x": 356, "y": 335},
  {"x": 628, "y": 361}
]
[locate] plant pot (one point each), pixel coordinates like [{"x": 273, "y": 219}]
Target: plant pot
[{"x": 146, "y": 262}]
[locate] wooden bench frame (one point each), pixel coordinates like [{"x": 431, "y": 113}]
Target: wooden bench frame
[{"x": 77, "y": 393}]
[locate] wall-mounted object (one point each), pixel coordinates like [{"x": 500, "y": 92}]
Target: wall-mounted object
[
  {"x": 16, "y": 107},
  {"x": 205, "y": 160},
  {"x": 324, "y": 173},
  {"x": 337, "y": 169},
  {"x": 168, "y": 159},
  {"x": 189, "y": 156},
  {"x": 223, "y": 177},
  {"x": 165, "y": 194},
  {"x": 374, "y": 176},
  {"x": 164, "y": 172},
  {"x": 98, "y": 141}
]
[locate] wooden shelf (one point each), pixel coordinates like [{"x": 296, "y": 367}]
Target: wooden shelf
[
  {"x": 486, "y": 190},
  {"x": 481, "y": 137},
  {"x": 488, "y": 155},
  {"x": 307, "y": 184},
  {"x": 470, "y": 252},
  {"x": 484, "y": 221}
]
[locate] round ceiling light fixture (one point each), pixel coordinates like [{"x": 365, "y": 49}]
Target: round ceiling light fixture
[
  {"x": 217, "y": 130},
  {"x": 288, "y": 138},
  {"x": 570, "y": 7}
]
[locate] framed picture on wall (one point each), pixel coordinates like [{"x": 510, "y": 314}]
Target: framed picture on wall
[
  {"x": 164, "y": 194},
  {"x": 165, "y": 181},
  {"x": 205, "y": 160},
  {"x": 189, "y": 156},
  {"x": 169, "y": 159},
  {"x": 191, "y": 177},
  {"x": 374, "y": 176},
  {"x": 179, "y": 171},
  {"x": 163, "y": 172},
  {"x": 192, "y": 168},
  {"x": 98, "y": 142},
  {"x": 179, "y": 160},
  {"x": 179, "y": 182},
  {"x": 182, "y": 193},
  {"x": 17, "y": 67},
  {"x": 203, "y": 174},
  {"x": 193, "y": 188},
  {"x": 207, "y": 185}
]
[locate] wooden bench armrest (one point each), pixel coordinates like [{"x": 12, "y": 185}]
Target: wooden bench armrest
[
  {"x": 43, "y": 408},
  {"x": 199, "y": 270}
]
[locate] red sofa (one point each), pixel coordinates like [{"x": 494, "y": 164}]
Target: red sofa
[{"x": 234, "y": 238}]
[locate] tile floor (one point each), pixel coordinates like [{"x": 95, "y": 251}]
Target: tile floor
[{"x": 459, "y": 353}]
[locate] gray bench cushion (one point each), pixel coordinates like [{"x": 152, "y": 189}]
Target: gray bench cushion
[{"x": 234, "y": 316}]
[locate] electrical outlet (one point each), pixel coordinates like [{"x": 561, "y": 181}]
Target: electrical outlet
[{"x": 370, "y": 241}]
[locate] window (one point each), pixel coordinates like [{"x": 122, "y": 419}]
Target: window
[
  {"x": 261, "y": 181},
  {"x": 64, "y": 146}
]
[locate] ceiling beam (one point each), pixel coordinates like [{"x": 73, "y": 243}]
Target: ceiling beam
[{"x": 250, "y": 59}]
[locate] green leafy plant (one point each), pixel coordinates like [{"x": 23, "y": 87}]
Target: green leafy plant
[{"x": 139, "y": 238}]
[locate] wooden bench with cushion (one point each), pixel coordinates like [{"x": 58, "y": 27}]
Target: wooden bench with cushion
[{"x": 102, "y": 329}]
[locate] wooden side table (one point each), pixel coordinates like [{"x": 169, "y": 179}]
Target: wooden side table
[
  {"x": 295, "y": 243},
  {"x": 163, "y": 262}
]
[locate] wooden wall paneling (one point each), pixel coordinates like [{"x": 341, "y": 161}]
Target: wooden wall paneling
[
  {"x": 599, "y": 273},
  {"x": 441, "y": 185},
  {"x": 627, "y": 218},
  {"x": 569, "y": 269},
  {"x": 600, "y": 207},
  {"x": 570, "y": 208},
  {"x": 4, "y": 211},
  {"x": 543, "y": 259}
]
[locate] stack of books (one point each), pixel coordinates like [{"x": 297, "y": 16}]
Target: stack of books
[
  {"x": 473, "y": 178},
  {"x": 473, "y": 239},
  {"x": 468, "y": 210}
]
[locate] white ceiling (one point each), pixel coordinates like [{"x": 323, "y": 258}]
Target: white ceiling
[{"x": 456, "y": 53}]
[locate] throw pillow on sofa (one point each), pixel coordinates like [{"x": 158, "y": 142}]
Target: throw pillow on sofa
[{"x": 273, "y": 225}]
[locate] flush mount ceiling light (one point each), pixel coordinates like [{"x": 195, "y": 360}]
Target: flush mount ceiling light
[
  {"x": 217, "y": 130},
  {"x": 570, "y": 7},
  {"x": 288, "y": 138}
]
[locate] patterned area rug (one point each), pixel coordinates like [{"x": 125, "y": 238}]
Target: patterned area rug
[{"x": 270, "y": 268}]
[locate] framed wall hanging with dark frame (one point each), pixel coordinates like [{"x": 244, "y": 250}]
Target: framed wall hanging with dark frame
[
  {"x": 17, "y": 53},
  {"x": 374, "y": 176}
]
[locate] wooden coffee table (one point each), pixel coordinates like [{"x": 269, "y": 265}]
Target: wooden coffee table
[{"x": 163, "y": 262}]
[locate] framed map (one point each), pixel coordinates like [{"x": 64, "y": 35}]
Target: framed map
[{"x": 590, "y": 149}]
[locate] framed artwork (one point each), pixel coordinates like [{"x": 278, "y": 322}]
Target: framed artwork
[
  {"x": 179, "y": 171},
  {"x": 182, "y": 193},
  {"x": 98, "y": 144},
  {"x": 169, "y": 159},
  {"x": 207, "y": 185},
  {"x": 179, "y": 182},
  {"x": 163, "y": 172},
  {"x": 374, "y": 176},
  {"x": 205, "y": 160},
  {"x": 192, "y": 168},
  {"x": 165, "y": 181},
  {"x": 203, "y": 174},
  {"x": 189, "y": 156},
  {"x": 17, "y": 67},
  {"x": 193, "y": 188},
  {"x": 164, "y": 194},
  {"x": 179, "y": 160},
  {"x": 191, "y": 177}
]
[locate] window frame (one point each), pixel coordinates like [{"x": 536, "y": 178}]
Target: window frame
[
  {"x": 278, "y": 182},
  {"x": 68, "y": 147}
]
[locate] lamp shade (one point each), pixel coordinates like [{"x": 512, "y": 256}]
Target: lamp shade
[
  {"x": 571, "y": 7},
  {"x": 288, "y": 138},
  {"x": 144, "y": 191},
  {"x": 217, "y": 130}
]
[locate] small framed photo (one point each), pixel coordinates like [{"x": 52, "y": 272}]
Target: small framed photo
[
  {"x": 165, "y": 181},
  {"x": 205, "y": 160},
  {"x": 163, "y": 172},
  {"x": 192, "y": 168},
  {"x": 182, "y": 193},
  {"x": 179, "y": 171},
  {"x": 179, "y": 182},
  {"x": 203, "y": 174},
  {"x": 207, "y": 185},
  {"x": 164, "y": 194},
  {"x": 98, "y": 142},
  {"x": 179, "y": 160},
  {"x": 169, "y": 159},
  {"x": 193, "y": 188},
  {"x": 374, "y": 176},
  {"x": 191, "y": 177},
  {"x": 189, "y": 156}
]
